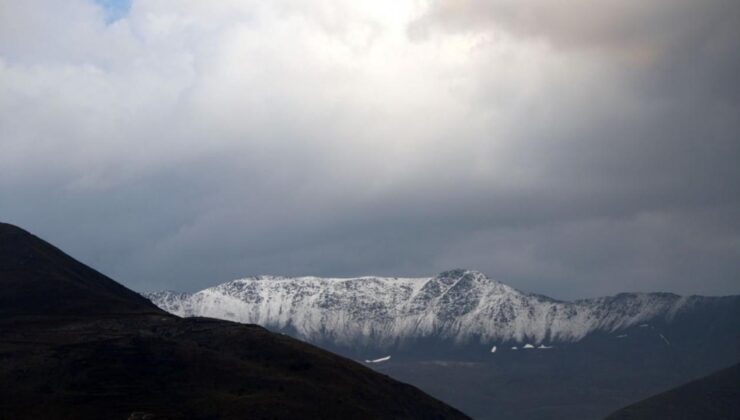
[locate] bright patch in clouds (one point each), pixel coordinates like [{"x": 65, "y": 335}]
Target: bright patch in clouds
[
  {"x": 115, "y": 9},
  {"x": 176, "y": 144}
]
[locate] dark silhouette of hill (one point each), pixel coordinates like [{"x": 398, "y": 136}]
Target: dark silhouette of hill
[
  {"x": 75, "y": 344},
  {"x": 716, "y": 396},
  {"x": 39, "y": 279}
]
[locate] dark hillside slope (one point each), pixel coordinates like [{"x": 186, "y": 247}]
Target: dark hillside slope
[
  {"x": 716, "y": 396},
  {"x": 39, "y": 279},
  {"x": 74, "y": 344}
]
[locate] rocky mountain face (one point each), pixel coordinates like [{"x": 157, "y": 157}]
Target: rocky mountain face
[
  {"x": 459, "y": 306},
  {"x": 477, "y": 343}
]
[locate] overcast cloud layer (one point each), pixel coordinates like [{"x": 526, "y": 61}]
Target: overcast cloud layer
[{"x": 567, "y": 148}]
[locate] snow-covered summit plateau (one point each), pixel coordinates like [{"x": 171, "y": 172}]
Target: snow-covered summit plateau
[{"x": 457, "y": 305}]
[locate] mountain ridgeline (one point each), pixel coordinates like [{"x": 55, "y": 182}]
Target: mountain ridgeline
[
  {"x": 461, "y": 308},
  {"x": 477, "y": 343}
]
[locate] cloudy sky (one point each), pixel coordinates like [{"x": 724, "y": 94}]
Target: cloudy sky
[{"x": 564, "y": 147}]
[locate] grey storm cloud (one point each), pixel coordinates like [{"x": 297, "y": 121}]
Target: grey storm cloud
[{"x": 560, "y": 147}]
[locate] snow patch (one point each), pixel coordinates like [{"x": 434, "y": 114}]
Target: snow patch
[
  {"x": 382, "y": 359},
  {"x": 493, "y": 349},
  {"x": 528, "y": 346}
]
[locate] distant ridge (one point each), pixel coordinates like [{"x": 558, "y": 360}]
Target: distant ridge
[
  {"x": 553, "y": 359},
  {"x": 460, "y": 306}
]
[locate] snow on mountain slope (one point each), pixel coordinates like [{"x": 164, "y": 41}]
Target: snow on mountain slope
[{"x": 459, "y": 305}]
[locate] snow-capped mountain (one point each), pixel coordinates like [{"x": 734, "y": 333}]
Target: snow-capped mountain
[
  {"x": 478, "y": 343},
  {"x": 461, "y": 306}
]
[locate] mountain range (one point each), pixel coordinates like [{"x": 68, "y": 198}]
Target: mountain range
[
  {"x": 477, "y": 343},
  {"x": 460, "y": 307},
  {"x": 76, "y": 344}
]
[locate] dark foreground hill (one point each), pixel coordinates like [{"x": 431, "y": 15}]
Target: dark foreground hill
[
  {"x": 76, "y": 344},
  {"x": 716, "y": 396}
]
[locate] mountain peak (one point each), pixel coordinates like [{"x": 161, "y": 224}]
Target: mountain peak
[{"x": 457, "y": 274}]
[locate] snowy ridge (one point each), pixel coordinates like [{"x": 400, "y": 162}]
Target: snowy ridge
[{"x": 459, "y": 305}]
